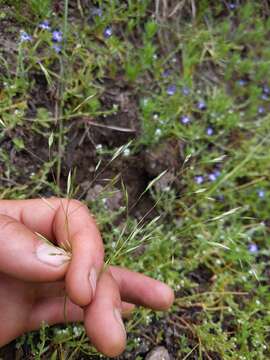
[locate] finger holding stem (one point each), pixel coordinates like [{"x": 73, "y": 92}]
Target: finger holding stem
[{"x": 67, "y": 224}]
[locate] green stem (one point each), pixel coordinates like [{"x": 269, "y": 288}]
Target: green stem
[{"x": 61, "y": 93}]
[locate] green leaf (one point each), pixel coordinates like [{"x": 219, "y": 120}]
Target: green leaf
[
  {"x": 151, "y": 29},
  {"x": 69, "y": 183},
  {"x": 2, "y": 123},
  {"x": 50, "y": 141},
  {"x": 19, "y": 144},
  {"x": 54, "y": 355}
]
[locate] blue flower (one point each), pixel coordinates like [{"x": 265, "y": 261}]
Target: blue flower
[
  {"x": 57, "y": 48},
  {"x": 199, "y": 179},
  {"x": 107, "y": 33},
  {"x": 24, "y": 37},
  {"x": 264, "y": 97},
  {"x": 232, "y": 6},
  {"x": 220, "y": 198},
  {"x": 253, "y": 248},
  {"x": 201, "y": 105},
  {"x": 95, "y": 11},
  {"x": 185, "y": 119},
  {"x": 261, "y": 193},
  {"x": 209, "y": 131},
  {"x": 45, "y": 25},
  {"x": 242, "y": 82},
  {"x": 185, "y": 91},
  {"x": 166, "y": 73},
  {"x": 261, "y": 110},
  {"x": 266, "y": 89},
  {"x": 57, "y": 36},
  {"x": 171, "y": 90},
  {"x": 212, "y": 177}
]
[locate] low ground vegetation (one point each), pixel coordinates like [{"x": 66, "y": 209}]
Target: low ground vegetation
[{"x": 158, "y": 114}]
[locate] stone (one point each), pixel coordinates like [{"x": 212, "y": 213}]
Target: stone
[
  {"x": 164, "y": 183},
  {"x": 158, "y": 353},
  {"x": 94, "y": 192}
]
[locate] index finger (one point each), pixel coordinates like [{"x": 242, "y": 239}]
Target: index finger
[
  {"x": 74, "y": 225},
  {"x": 142, "y": 290}
]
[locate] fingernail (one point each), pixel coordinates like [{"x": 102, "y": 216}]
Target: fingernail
[
  {"x": 93, "y": 280},
  {"x": 118, "y": 318},
  {"x": 51, "y": 255}
]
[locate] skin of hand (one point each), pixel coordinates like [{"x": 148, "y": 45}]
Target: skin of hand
[{"x": 35, "y": 276}]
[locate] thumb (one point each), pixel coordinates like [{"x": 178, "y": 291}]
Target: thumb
[{"x": 24, "y": 256}]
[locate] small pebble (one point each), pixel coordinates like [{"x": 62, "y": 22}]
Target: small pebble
[{"x": 158, "y": 353}]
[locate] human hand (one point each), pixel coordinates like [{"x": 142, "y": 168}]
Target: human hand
[{"x": 35, "y": 276}]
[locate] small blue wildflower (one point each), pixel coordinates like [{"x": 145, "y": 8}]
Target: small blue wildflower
[
  {"x": 209, "y": 131},
  {"x": 57, "y": 48},
  {"x": 232, "y": 6},
  {"x": 166, "y": 73},
  {"x": 24, "y": 37},
  {"x": 220, "y": 198},
  {"x": 201, "y": 105},
  {"x": 253, "y": 248},
  {"x": 185, "y": 119},
  {"x": 107, "y": 33},
  {"x": 217, "y": 172},
  {"x": 57, "y": 36},
  {"x": 261, "y": 110},
  {"x": 265, "y": 97},
  {"x": 242, "y": 82},
  {"x": 212, "y": 177},
  {"x": 171, "y": 90},
  {"x": 261, "y": 193},
  {"x": 44, "y": 25},
  {"x": 95, "y": 11},
  {"x": 185, "y": 91},
  {"x": 266, "y": 89},
  {"x": 199, "y": 179}
]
